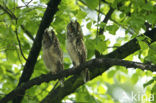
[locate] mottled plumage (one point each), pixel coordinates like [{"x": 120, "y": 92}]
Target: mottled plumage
[
  {"x": 76, "y": 47},
  {"x": 52, "y": 54}
]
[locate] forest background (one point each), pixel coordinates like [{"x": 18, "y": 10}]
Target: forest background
[{"x": 121, "y": 51}]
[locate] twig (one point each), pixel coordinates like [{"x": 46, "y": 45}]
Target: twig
[
  {"x": 19, "y": 43},
  {"x": 29, "y": 2},
  {"x": 19, "y": 56},
  {"x": 26, "y": 4}
]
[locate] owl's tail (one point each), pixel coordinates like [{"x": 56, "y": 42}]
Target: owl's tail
[{"x": 85, "y": 75}]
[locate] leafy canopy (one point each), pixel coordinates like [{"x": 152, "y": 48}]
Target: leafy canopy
[{"x": 126, "y": 22}]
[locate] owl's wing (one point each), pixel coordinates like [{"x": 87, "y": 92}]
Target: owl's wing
[
  {"x": 81, "y": 50},
  {"x": 59, "y": 54},
  {"x": 58, "y": 49},
  {"x": 47, "y": 58},
  {"x": 82, "y": 58}
]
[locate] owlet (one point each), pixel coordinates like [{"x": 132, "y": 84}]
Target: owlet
[
  {"x": 75, "y": 46},
  {"x": 52, "y": 54}
]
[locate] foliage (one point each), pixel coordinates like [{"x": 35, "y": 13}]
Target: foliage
[{"x": 125, "y": 23}]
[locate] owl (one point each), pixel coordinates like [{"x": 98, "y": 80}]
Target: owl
[
  {"x": 75, "y": 46},
  {"x": 52, "y": 54}
]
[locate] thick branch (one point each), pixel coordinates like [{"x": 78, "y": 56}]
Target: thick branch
[
  {"x": 36, "y": 47},
  {"x": 92, "y": 64}
]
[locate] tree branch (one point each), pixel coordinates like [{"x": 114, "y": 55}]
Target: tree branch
[{"x": 92, "y": 64}]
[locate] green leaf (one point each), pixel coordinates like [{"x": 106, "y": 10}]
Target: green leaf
[
  {"x": 43, "y": 1},
  {"x": 134, "y": 78},
  {"x": 137, "y": 21},
  {"x": 112, "y": 29},
  {"x": 102, "y": 25},
  {"x": 122, "y": 15},
  {"x": 89, "y": 24},
  {"x": 101, "y": 43},
  {"x": 81, "y": 14},
  {"x": 91, "y": 45},
  {"x": 111, "y": 73},
  {"x": 151, "y": 18},
  {"x": 147, "y": 6},
  {"x": 12, "y": 56},
  {"x": 151, "y": 57},
  {"x": 92, "y": 4},
  {"x": 143, "y": 45},
  {"x": 82, "y": 95}
]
